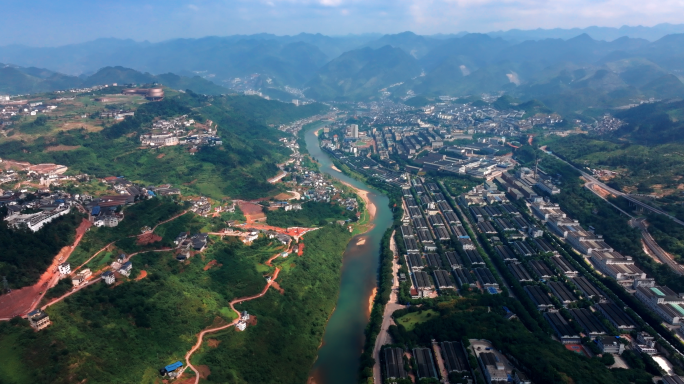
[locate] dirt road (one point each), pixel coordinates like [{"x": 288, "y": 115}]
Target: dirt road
[
  {"x": 93, "y": 256},
  {"x": 170, "y": 219},
  {"x": 200, "y": 336},
  {"x": 22, "y": 301}
]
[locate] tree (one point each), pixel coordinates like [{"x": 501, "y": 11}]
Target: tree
[{"x": 608, "y": 359}]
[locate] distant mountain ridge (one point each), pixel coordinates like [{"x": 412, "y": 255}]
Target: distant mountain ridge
[
  {"x": 362, "y": 73},
  {"x": 568, "y": 75},
  {"x": 598, "y": 33},
  {"x": 18, "y": 80}
]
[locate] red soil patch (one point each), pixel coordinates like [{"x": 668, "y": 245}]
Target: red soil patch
[
  {"x": 253, "y": 212},
  {"x": 217, "y": 322},
  {"x": 295, "y": 232},
  {"x": 252, "y": 320},
  {"x": 277, "y": 287},
  {"x": 161, "y": 155},
  {"x": 283, "y": 196},
  {"x": 203, "y": 370},
  {"x": 22, "y": 301},
  {"x": 142, "y": 275},
  {"x": 209, "y": 265},
  {"x": 213, "y": 343},
  {"x": 148, "y": 238},
  {"x": 300, "y": 251}
]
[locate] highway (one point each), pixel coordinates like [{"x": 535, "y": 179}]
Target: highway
[
  {"x": 645, "y": 235},
  {"x": 655, "y": 249},
  {"x": 593, "y": 181},
  {"x": 652, "y": 245}
]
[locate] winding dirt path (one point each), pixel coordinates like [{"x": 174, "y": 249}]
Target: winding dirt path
[
  {"x": 22, "y": 301},
  {"x": 96, "y": 279},
  {"x": 93, "y": 256},
  {"x": 161, "y": 223},
  {"x": 200, "y": 336},
  {"x": 170, "y": 219}
]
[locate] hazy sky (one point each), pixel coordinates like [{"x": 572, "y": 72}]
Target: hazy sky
[{"x": 50, "y": 22}]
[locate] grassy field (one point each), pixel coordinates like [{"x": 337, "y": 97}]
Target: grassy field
[
  {"x": 12, "y": 369},
  {"x": 410, "y": 320},
  {"x": 69, "y": 115}
]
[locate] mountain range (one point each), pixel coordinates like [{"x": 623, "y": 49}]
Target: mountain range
[
  {"x": 567, "y": 74},
  {"x": 21, "y": 80}
]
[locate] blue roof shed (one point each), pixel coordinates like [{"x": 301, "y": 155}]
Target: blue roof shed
[{"x": 173, "y": 367}]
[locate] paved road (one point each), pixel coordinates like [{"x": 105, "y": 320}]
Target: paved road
[
  {"x": 652, "y": 245},
  {"x": 593, "y": 181},
  {"x": 391, "y": 306},
  {"x": 663, "y": 256}
]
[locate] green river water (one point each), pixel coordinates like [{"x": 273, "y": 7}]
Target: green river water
[{"x": 338, "y": 358}]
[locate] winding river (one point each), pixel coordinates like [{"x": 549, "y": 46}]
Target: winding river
[{"x": 338, "y": 358}]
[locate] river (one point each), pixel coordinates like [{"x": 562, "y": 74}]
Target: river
[{"x": 338, "y": 358}]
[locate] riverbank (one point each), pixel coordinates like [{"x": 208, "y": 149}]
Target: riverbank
[
  {"x": 370, "y": 206},
  {"x": 339, "y": 359}
]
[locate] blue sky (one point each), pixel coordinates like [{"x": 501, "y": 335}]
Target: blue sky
[{"x": 51, "y": 23}]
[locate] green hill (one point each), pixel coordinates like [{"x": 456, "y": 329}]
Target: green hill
[
  {"x": 362, "y": 73},
  {"x": 239, "y": 168},
  {"x": 121, "y": 75},
  {"x": 14, "y": 81},
  {"x": 505, "y": 102},
  {"x": 417, "y": 101},
  {"x": 17, "y": 80},
  {"x": 656, "y": 123},
  {"x": 666, "y": 87},
  {"x": 278, "y": 94}
]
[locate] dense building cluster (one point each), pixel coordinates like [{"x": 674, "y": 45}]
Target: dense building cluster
[{"x": 181, "y": 130}]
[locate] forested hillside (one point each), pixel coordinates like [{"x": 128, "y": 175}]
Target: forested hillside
[
  {"x": 152, "y": 322},
  {"x": 23, "y": 264},
  {"x": 571, "y": 74},
  {"x": 238, "y": 168},
  {"x": 361, "y": 73},
  {"x": 17, "y": 80},
  {"x": 656, "y": 123}
]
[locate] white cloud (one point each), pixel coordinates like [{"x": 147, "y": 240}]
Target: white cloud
[
  {"x": 431, "y": 16},
  {"x": 146, "y": 19}
]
